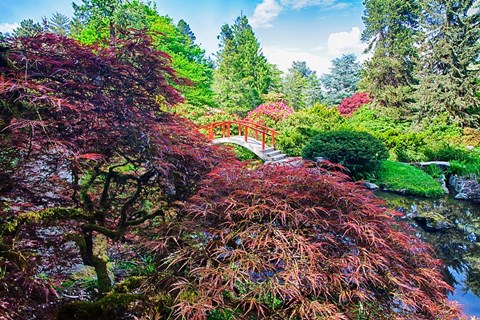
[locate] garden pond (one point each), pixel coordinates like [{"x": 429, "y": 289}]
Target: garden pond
[{"x": 452, "y": 227}]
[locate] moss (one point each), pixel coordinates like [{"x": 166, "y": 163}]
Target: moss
[
  {"x": 49, "y": 214},
  {"x": 407, "y": 179},
  {"x": 128, "y": 285},
  {"x": 109, "y": 307}
]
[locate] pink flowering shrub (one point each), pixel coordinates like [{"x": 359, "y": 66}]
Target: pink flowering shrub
[
  {"x": 349, "y": 105},
  {"x": 270, "y": 115}
]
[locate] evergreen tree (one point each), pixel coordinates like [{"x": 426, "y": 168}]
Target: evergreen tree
[
  {"x": 243, "y": 73},
  {"x": 448, "y": 67},
  {"x": 301, "y": 86},
  {"x": 28, "y": 28},
  {"x": 184, "y": 28},
  {"x": 342, "y": 80},
  {"x": 390, "y": 26},
  {"x": 58, "y": 23}
]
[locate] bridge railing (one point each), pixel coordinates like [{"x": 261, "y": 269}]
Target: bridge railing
[{"x": 225, "y": 129}]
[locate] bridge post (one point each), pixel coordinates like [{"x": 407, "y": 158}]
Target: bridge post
[
  {"x": 273, "y": 139},
  {"x": 246, "y": 134},
  {"x": 263, "y": 140}
]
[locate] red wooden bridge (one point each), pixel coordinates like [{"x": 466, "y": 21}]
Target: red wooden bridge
[{"x": 250, "y": 135}]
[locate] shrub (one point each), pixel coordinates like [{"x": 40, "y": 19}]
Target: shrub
[
  {"x": 351, "y": 104},
  {"x": 284, "y": 242},
  {"x": 202, "y": 115},
  {"x": 270, "y": 115},
  {"x": 303, "y": 125},
  {"x": 358, "y": 152}
]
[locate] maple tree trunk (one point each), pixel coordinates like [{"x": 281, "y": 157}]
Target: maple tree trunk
[{"x": 89, "y": 258}]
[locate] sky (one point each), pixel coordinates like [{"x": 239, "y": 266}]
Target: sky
[{"x": 314, "y": 31}]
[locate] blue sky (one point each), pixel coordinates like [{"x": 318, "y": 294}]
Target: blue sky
[{"x": 314, "y": 31}]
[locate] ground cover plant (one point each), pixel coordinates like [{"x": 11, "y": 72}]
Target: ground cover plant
[{"x": 408, "y": 179}]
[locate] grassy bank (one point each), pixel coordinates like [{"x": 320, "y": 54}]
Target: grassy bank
[{"x": 405, "y": 178}]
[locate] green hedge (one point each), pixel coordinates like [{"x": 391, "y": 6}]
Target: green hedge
[{"x": 359, "y": 152}]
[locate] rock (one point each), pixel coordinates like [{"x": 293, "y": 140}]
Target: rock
[
  {"x": 433, "y": 221},
  {"x": 467, "y": 188},
  {"x": 461, "y": 196},
  {"x": 370, "y": 186}
]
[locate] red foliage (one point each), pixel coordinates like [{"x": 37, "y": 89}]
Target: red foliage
[
  {"x": 270, "y": 114},
  {"x": 81, "y": 128},
  {"x": 349, "y": 105},
  {"x": 289, "y": 242}
]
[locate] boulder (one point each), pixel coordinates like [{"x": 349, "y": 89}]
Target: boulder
[{"x": 467, "y": 188}]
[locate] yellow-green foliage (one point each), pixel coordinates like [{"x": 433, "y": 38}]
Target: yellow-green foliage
[{"x": 471, "y": 137}]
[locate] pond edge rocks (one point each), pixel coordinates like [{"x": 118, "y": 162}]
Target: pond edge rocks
[{"x": 466, "y": 188}]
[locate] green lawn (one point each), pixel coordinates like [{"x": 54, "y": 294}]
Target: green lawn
[{"x": 397, "y": 176}]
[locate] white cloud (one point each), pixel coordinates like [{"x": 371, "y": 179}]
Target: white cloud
[
  {"x": 264, "y": 13},
  {"x": 283, "y": 58},
  {"x": 345, "y": 42},
  {"x": 267, "y": 11},
  {"x": 8, "y": 27},
  {"x": 298, "y": 4}
]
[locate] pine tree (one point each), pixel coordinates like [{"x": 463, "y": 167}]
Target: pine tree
[
  {"x": 28, "y": 28},
  {"x": 342, "y": 80},
  {"x": 448, "y": 67},
  {"x": 184, "y": 28},
  {"x": 58, "y": 23},
  {"x": 390, "y": 26},
  {"x": 243, "y": 73},
  {"x": 301, "y": 86}
]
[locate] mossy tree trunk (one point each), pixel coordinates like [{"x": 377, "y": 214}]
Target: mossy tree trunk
[{"x": 89, "y": 258}]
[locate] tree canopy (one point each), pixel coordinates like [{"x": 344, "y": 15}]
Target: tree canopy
[
  {"x": 242, "y": 73},
  {"x": 342, "y": 80}
]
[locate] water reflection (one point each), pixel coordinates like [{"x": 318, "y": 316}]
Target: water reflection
[{"x": 456, "y": 240}]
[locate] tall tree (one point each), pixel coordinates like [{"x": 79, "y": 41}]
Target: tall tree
[
  {"x": 98, "y": 12},
  {"x": 448, "y": 67},
  {"x": 28, "y": 28},
  {"x": 243, "y": 73},
  {"x": 390, "y": 26},
  {"x": 301, "y": 86},
  {"x": 342, "y": 80},
  {"x": 184, "y": 28},
  {"x": 84, "y": 146},
  {"x": 58, "y": 23},
  {"x": 94, "y": 19}
]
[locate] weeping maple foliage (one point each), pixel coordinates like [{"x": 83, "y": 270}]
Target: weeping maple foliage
[
  {"x": 85, "y": 146},
  {"x": 299, "y": 242}
]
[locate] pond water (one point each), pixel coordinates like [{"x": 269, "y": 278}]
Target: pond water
[{"x": 457, "y": 242}]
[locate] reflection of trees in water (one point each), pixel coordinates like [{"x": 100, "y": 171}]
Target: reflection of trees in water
[{"x": 458, "y": 247}]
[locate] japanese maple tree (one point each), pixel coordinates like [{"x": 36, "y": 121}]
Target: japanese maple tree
[
  {"x": 270, "y": 114},
  {"x": 85, "y": 146},
  {"x": 349, "y": 105},
  {"x": 299, "y": 242}
]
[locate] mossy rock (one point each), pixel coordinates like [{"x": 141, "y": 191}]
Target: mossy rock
[
  {"x": 433, "y": 221},
  {"x": 112, "y": 306}
]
